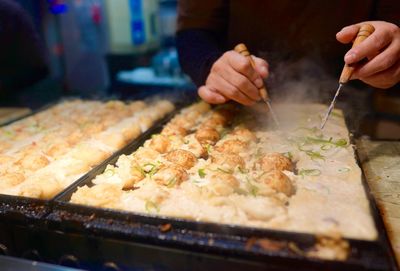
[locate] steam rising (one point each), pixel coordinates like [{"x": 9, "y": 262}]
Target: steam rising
[{"x": 305, "y": 81}]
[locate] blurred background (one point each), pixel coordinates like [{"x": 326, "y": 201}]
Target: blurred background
[
  {"x": 97, "y": 48},
  {"x": 126, "y": 49}
]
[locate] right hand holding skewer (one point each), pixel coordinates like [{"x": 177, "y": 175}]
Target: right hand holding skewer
[
  {"x": 382, "y": 48},
  {"x": 233, "y": 78}
]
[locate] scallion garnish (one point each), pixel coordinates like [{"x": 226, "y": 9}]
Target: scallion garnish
[
  {"x": 309, "y": 172},
  {"x": 150, "y": 206},
  {"x": 201, "y": 172}
]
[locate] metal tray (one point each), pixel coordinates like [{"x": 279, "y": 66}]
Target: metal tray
[
  {"x": 19, "y": 209},
  {"x": 209, "y": 239}
]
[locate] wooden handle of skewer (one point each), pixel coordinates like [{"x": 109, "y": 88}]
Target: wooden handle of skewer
[
  {"x": 242, "y": 49},
  {"x": 363, "y": 33}
]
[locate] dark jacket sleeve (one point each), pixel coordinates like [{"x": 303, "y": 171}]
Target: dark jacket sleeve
[
  {"x": 198, "y": 50},
  {"x": 201, "y": 36}
]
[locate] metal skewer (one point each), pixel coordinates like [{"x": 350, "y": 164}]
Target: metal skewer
[
  {"x": 365, "y": 31},
  {"x": 242, "y": 49}
]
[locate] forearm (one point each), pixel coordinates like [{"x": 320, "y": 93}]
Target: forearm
[{"x": 198, "y": 50}]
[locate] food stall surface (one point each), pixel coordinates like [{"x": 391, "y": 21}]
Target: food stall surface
[{"x": 380, "y": 160}]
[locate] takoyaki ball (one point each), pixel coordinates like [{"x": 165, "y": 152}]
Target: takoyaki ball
[
  {"x": 207, "y": 135},
  {"x": 275, "y": 161},
  {"x": 136, "y": 106},
  {"x": 244, "y": 134},
  {"x": 171, "y": 175},
  {"x": 201, "y": 107},
  {"x": 190, "y": 143},
  {"x": 4, "y": 146},
  {"x": 145, "y": 122},
  {"x": 173, "y": 129},
  {"x": 33, "y": 161},
  {"x": 115, "y": 105},
  {"x": 114, "y": 140},
  {"x": 164, "y": 106},
  {"x": 74, "y": 138},
  {"x": 101, "y": 195},
  {"x": 278, "y": 181},
  {"x": 184, "y": 158},
  {"x": 222, "y": 184},
  {"x": 59, "y": 148},
  {"x": 184, "y": 122},
  {"x": 88, "y": 154},
  {"x": 160, "y": 143},
  {"x": 92, "y": 128},
  {"x": 228, "y": 160},
  {"x": 5, "y": 159},
  {"x": 231, "y": 146},
  {"x": 145, "y": 155},
  {"x": 11, "y": 179},
  {"x": 130, "y": 132}
]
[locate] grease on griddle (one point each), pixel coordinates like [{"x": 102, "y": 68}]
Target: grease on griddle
[
  {"x": 265, "y": 244},
  {"x": 165, "y": 227}
]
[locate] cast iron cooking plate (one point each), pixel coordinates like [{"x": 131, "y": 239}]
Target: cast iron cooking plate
[
  {"x": 19, "y": 209},
  {"x": 211, "y": 238}
]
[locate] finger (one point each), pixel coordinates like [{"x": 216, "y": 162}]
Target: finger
[
  {"x": 374, "y": 43},
  {"x": 242, "y": 65},
  {"x": 385, "y": 79},
  {"x": 381, "y": 62},
  {"x": 262, "y": 66},
  {"x": 347, "y": 34},
  {"x": 210, "y": 96},
  {"x": 241, "y": 82},
  {"x": 228, "y": 90}
]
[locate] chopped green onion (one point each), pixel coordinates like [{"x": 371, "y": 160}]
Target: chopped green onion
[
  {"x": 150, "y": 206},
  {"x": 343, "y": 169},
  {"x": 315, "y": 155},
  {"x": 201, "y": 172},
  {"x": 253, "y": 190},
  {"x": 240, "y": 191},
  {"x": 171, "y": 182},
  {"x": 341, "y": 142},
  {"x": 288, "y": 155},
  {"x": 309, "y": 172},
  {"x": 139, "y": 168},
  {"x": 152, "y": 170},
  {"x": 9, "y": 133},
  {"x": 228, "y": 171},
  {"x": 336, "y": 114},
  {"x": 243, "y": 170},
  {"x": 208, "y": 148},
  {"x": 224, "y": 133},
  {"x": 109, "y": 172},
  {"x": 326, "y": 147},
  {"x": 259, "y": 153},
  {"x": 338, "y": 143}
]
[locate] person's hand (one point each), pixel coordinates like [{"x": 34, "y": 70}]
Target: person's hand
[
  {"x": 381, "y": 48},
  {"x": 233, "y": 78}
]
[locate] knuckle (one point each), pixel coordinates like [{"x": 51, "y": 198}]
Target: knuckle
[
  {"x": 216, "y": 67},
  {"x": 379, "y": 41},
  {"x": 234, "y": 92},
  {"x": 241, "y": 83},
  {"x": 243, "y": 65}
]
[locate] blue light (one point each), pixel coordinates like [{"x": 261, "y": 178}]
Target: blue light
[{"x": 57, "y": 6}]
